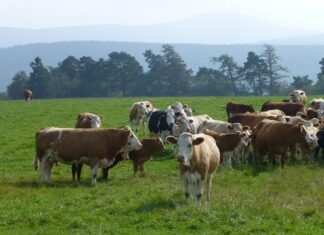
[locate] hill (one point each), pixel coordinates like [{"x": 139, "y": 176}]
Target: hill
[{"x": 300, "y": 59}]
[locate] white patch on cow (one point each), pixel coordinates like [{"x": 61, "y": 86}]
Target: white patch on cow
[
  {"x": 170, "y": 117},
  {"x": 95, "y": 122},
  {"x": 185, "y": 148}
]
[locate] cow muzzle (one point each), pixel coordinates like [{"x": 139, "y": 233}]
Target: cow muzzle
[{"x": 180, "y": 158}]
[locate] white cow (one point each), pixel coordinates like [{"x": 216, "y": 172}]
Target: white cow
[{"x": 138, "y": 114}]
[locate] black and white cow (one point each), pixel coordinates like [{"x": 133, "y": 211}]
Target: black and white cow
[{"x": 161, "y": 123}]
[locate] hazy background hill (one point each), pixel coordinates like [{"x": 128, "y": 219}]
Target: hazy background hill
[{"x": 300, "y": 60}]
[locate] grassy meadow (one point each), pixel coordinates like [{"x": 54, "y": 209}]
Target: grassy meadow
[{"x": 244, "y": 200}]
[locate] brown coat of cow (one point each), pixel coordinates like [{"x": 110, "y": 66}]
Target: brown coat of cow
[
  {"x": 28, "y": 95},
  {"x": 95, "y": 147},
  {"x": 235, "y": 108},
  {"x": 289, "y": 109},
  {"x": 251, "y": 119},
  {"x": 272, "y": 137}
]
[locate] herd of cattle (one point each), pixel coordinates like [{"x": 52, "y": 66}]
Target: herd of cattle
[{"x": 201, "y": 143}]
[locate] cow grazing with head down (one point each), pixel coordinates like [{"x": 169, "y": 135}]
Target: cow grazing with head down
[
  {"x": 85, "y": 120},
  {"x": 298, "y": 96},
  {"x": 96, "y": 147},
  {"x": 198, "y": 159},
  {"x": 138, "y": 114},
  {"x": 290, "y": 109},
  {"x": 28, "y": 95},
  {"x": 275, "y": 138},
  {"x": 229, "y": 142},
  {"x": 161, "y": 123},
  {"x": 235, "y": 108}
]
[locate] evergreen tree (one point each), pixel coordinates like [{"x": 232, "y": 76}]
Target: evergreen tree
[{"x": 18, "y": 85}]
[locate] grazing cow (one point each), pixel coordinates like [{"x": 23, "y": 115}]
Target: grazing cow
[
  {"x": 229, "y": 142},
  {"x": 289, "y": 109},
  {"x": 198, "y": 159},
  {"x": 28, "y": 95},
  {"x": 95, "y": 147},
  {"x": 298, "y": 96},
  {"x": 317, "y": 103},
  {"x": 252, "y": 119},
  {"x": 138, "y": 114},
  {"x": 84, "y": 120},
  {"x": 161, "y": 123},
  {"x": 275, "y": 138},
  {"x": 149, "y": 147},
  {"x": 220, "y": 126},
  {"x": 235, "y": 108}
]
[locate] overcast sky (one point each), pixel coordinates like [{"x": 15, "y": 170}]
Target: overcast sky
[{"x": 302, "y": 14}]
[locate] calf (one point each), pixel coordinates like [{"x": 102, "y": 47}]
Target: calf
[
  {"x": 288, "y": 108},
  {"x": 235, "y": 108},
  {"x": 96, "y": 147},
  {"x": 198, "y": 159},
  {"x": 229, "y": 142}
]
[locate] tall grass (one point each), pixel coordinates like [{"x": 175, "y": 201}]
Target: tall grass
[{"x": 246, "y": 200}]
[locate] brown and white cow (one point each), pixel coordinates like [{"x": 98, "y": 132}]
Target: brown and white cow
[
  {"x": 298, "y": 96},
  {"x": 233, "y": 108},
  {"x": 96, "y": 147},
  {"x": 275, "y": 138},
  {"x": 198, "y": 157},
  {"x": 84, "y": 120},
  {"x": 28, "y": 95},
  {"x": 228, "y": 143},
  {"x": 289, "y": 109},
  {"x": 138, "y": 114},
  {"x": 252, "y": 119}
]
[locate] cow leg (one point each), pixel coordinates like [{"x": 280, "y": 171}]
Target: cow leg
[
  {"x": 49, "y": 167},
  {"x": 272, "y": 159},
  {"x": 105, "y": 173},
  {"x": 208, "y": 184},
  {"x": 135, "y": 166},
  {"x": 73, "y": 170},
  {"x": 227, "y": 159},
  {"x": 185, "y": 182},
  {"x": 43, "y": 168},
  {"x": 317, "y": 149},
  {"x": 79, "y": 169},
  {"x": 141, "y": 168},
  {"x": 283, "y": 159},
  {"x": 199, "y": 190},
  {"x": 94, "y": 174}
]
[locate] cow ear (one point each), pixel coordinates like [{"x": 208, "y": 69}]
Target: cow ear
[
  {"x": 245, "y": 128},
  {"x": 230, "y": 127},
  {"x": 172, "y": 139},
  {"x": 301, "y": 93},
  {"x": 198, "y": 141},
  {"x": 190, "y": 121}
]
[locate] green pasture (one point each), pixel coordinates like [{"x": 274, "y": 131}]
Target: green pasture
[{"x": 244, "y": 200}]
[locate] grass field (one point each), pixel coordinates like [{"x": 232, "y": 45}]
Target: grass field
[{"x": 243, "y": 201}]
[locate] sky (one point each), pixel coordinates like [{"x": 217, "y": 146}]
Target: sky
[{"x": 301, "y": 14}]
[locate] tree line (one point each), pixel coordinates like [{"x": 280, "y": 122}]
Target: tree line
[{"x": 121, "y": 75}]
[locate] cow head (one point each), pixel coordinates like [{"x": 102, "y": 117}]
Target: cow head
[
  {"x": 297, "y": 95},
  {"x": 132, "y": 142},
  {"x": 143, "y": 110},
  {"x": 310, "y": 136},
  {"x": 170, "y": 117},
  {"x": 95, "y": 121},
  {"x": 185, "y": 144}
]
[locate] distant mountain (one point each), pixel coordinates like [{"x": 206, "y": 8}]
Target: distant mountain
[
  {"x": 300, "y": 60},
  {"x": 217, "y": 28},
  {"x": 315, "y": 39}
]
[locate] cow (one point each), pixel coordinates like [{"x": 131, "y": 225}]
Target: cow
[
  {"x": 84, "y": 120},
  {"x": 198, "y": 157},
  {"x": 229, "y": 142},
  {"x": 320, "y": 136},
  {"x": 317, "y": 103},
  {"x": 220, "y": 126},
  {"x": 298, "y": 96},
  {"x": 188, "y": 111},
  {"x": 28, "y": 95},
  {"x": 289, "y": 109},
  {"x": 191, "y": 124},
  {"x": 235, "y": 108},
  {"x": 180, "y": 109},
  {"x": 161, "y": 123},
  {"x": 275, "y": 138},
  {"x": 139, "y": 113},
  {"x": 96, "y": 147},
  {"x": 313, "y": 113},
  {"x": 252, "y": 119}
]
